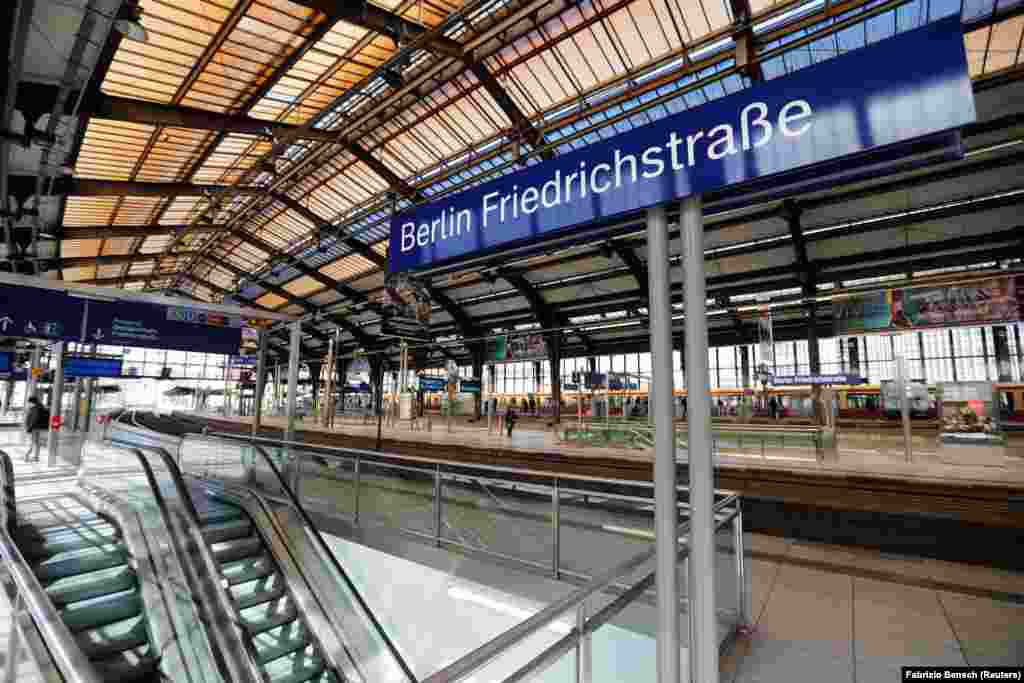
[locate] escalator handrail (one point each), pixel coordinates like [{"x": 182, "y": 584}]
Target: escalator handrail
[
  {"x": 329, "y": 557},
  {"x": 247, "y": 665},
  {"x": 68, "y": 658}
]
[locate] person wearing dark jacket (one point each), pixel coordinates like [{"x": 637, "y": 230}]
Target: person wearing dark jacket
[
  {"x": 510, "y": 420},
  {"x": 37, "y": 422}
]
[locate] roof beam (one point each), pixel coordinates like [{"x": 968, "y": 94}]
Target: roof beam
[
  {"x": 94, "y": 232},
  {"x": 120, "y": 259},
  {"x": 356, "y": 245},
  {"x": 89, "y": 187},
  {"x": 462, "y": 320},
  {"x": 377, "y": 166},
  {"x": 519, "y": 120},
  {"x": 636, "y": 267},
  {"x": 791, "y": 213},
  {"x": 374, "y": 18},
  {"x": 114, "y": 108},
  {"x": 545, "y": 314},
  {"x": 341, "y": 288}
]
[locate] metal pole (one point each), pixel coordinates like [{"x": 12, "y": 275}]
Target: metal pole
[
  {"x": 14, "y": 643},
  {"x": 583, "y": 661},
  {"x": 294, "y": 349},
  {"x": 355, "y": 494},
  {"x": 556, "y": 530},
  {"x": 741, "y": 568},
  {"x": 704, "y": 634},
  {"x": 901, "y": 387},
  {"x": 56, "y": 402},
  {"x": 437, "y": 505},
  {"x": 261, "y": 382},
  {"x": 30, "y": 379},
  {"x": 76, "y": 408},
  {"x": 665, "y": 513}
]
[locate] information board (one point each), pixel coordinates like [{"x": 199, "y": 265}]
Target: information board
[
  {"x": 470, "y": 386},
  {"x": 6, "y": 362},
  {"x": 40, "y": 313},
  {"x": 428, "y": 383},
  {"x": 86, "y": 366},
  {"x": 907, "y": 88},
  {"x": 163, "y": 327}
]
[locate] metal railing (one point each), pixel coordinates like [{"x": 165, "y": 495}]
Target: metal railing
[
  {"x": 57, "y": 655},
  {"x": 738, "y": 437},
  {"x": 296, "y": 456}
]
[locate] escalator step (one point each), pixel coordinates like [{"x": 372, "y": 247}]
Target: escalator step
[
  {"x": 295, "y": 668},
  {"x": 81, "y": 561},
  {"x": 268, "y": 615},
  {"x": 92, "y": 585},
  {"x": 52, "y": 519},
  {"x": 237, "y": 549},
  {"x": 211, "y": 512},
  {"x": 227, "y": 530},
  {"x": 107, "y": 609},
  {"x": 256, "y": 592},
  {"x": 281, "y": 641},
  {"x": 113, "y": 638},
  {"x": 138, "y": 664},
  {"x": 72, "y": 539},
  {"x": 249, "y": 569}
]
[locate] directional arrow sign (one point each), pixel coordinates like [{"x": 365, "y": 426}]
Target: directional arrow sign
[{"x": 41, "y": 313}]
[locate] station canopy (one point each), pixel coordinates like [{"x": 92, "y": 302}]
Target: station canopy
[{"x": 252, "y": 152}]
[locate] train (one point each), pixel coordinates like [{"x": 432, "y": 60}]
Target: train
[{"x": 867, "y": 401}]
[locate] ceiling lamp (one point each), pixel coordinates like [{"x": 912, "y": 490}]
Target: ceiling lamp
[{"x": 131, "y": 27}]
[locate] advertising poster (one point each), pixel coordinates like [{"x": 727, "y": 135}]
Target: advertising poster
[
  {"x": 520, "y": 347},
  {"x": 993, "y": 300}
]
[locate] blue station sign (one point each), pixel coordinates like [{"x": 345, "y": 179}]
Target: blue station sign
[
  {"x": 801, "y": 380},
  {"x": 910, "y": 87},
  {"x": 432, "y": 384}
]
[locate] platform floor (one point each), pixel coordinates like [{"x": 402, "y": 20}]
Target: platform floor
[
  {"x": 820, "y": 613},
  {"x": 874, "y": 453}
]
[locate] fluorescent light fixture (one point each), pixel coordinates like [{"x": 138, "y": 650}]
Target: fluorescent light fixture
[{"x": 467, "y": 595}]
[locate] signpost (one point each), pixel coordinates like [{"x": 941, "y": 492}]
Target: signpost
[
  {"x": 91, "y": 366},
  {"x": 162, "y": 327}
]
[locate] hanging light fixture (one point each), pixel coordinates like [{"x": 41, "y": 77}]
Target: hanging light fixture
[{"x": 131, "y": 26}]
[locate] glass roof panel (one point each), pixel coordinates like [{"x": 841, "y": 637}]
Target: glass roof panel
[
  {"x": 270, "y": 300},
  {"x": 111, "y": 149},
  {"x": 348, "y": 268},
  {"x": 116, "y": 246},
  {"x": 81, "y": 211}
]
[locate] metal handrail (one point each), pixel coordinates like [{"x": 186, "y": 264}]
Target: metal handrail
[
  {"x": 67, "y": 658},
  {"x": 486, "y": 653},
  {"x": 339, "y": 452},
  {"x": 240, "y": 670},
  {"x": 329, "y": 557}
]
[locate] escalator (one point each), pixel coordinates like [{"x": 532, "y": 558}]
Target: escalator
[
  {"x": 88, "y": 573},
  {"x": 279, "y": 637}
]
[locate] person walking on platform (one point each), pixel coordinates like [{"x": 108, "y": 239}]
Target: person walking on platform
[
  {"x": 37, "y": 421},
  {"x": 510, "y": 421}
]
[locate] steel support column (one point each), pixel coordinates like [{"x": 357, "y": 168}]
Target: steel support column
[
  {"x": 261, "y": 382},
  {"x": 56, "y": 401},
  {"x": 665, "y": 513},
  {"x": 701, "y": 590},
  {"x": 294, "y": 351}
]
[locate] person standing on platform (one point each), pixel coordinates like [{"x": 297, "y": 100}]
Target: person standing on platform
[
  {"x": 510, "y": 421},
  {"x": 773, "y": 408},
  {"x": 37, "y": 421}
]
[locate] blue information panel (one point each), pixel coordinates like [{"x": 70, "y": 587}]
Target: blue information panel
[
  {"x": 909, "y": 87},
  {"x": 470, "y": 386},
  {"x": 428, "y": 383},
  {"x": 40, "y": 313},
  {"x": 84, "y": 366},
  {"x": 163, "y": 327},
  {"x": 6, "y": 362}
]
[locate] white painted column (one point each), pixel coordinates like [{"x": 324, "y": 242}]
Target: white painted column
[
  {"x": 701, "y": 580},
  {"x": 56, "y": 401},
  {"x": 665, "y": 515}
]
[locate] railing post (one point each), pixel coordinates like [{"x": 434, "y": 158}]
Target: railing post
[
  {"x": 355, "y": 479},
  {"x": 583, "y": 663},
  {"x": 741, "y": 566},
  {"x": 437, "y": 505},
  {"x": 14, "y": 643},
  {"x": 296, "y": 472},
  {"x": 556, "y": 530}
]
